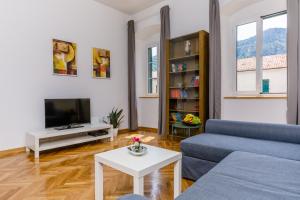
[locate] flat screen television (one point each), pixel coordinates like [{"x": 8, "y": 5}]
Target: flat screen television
[{"x": 66, "y": 112}]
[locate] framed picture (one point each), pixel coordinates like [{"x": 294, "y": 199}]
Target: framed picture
[
  {"x": 101, "y": 63},
  {"x": 64, "y": 58}
]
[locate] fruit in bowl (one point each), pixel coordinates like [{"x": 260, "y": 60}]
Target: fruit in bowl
[{"x": 192, "y": 120}]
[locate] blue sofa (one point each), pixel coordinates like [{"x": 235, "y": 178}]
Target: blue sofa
[
  {"x": 202, "y": 152},
  {"x": 248, "y": 176},
  {"x": 242, "y": 160}
]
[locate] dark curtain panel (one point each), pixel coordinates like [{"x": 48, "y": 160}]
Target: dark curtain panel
[
  {"x": 293, "y": 54},
  {"x": 164, "y": 35},
  {"x": 132, "y": 105},
  {"x": 214, "y": 60}
]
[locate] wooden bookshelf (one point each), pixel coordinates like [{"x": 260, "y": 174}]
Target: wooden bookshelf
[{"x": 187, "y": 78}]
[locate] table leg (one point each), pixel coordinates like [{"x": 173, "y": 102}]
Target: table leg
[
  {"x": 138, "y": 185},
  {"x": 36, "y": 148},
  {"x": 98, "y": 181},
  {"x": 177, "y": 179}
]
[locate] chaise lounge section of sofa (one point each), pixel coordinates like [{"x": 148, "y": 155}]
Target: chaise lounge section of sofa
[{"x": 202, "y": 152}]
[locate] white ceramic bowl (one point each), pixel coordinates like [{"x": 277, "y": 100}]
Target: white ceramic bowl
[{"x": 143, "y": 152}]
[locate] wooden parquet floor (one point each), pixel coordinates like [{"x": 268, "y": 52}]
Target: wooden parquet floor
[{"x": 68, "y": 174}]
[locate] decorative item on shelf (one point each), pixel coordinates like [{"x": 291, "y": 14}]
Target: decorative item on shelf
[
  {"x": 180, "y": 84},
  {"x": 187, "y": 48},
  {"x": 173, "y": 68},
  {"x": 114, "y": 118},
  {"x": 266, "y": 86},
  {"x": 181, "y": 67},
  {"x": 175, "y": 93},
  {"x": 183, "y": 94},
  {"x": 176, "y": 116},
  {"x": 137, "y": 149},
  {"x": 196, "y": 81},
  {"x": 64, "y": 58},
  {"x": 180, "y": 105},
  {"x": 193, "y": 81},
  {"x": 191, "y": 120},
  {"x": 196, "y": 94},
  {"x": 173, "y": 117}
]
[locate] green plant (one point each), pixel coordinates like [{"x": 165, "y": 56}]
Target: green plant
[{"x": 114, "y": 118}]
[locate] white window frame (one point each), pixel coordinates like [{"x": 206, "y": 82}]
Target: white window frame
[
  {"x": 259, "y": 46},
  {"x": 158, "y": 68}
]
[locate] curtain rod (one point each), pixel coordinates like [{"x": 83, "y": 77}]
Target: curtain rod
[{"x": 274, "y": 14}]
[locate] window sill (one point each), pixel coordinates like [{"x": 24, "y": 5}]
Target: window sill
[
  {"x": 149, "y": 97},
  {"x": 263, "y": 96}
]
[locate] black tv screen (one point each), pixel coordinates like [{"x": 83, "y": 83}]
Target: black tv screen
[{"x": 64, "y": 112}]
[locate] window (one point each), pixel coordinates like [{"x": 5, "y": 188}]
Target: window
[
  {"x": 246, "y": 57},
  {"x": 153, "y": 70},
  {"x": 261, "y": 55}
]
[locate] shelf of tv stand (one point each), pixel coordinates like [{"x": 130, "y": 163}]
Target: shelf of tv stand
[
  {"x": 47, "y": 139},
  {"x": 70, "y": 141}
]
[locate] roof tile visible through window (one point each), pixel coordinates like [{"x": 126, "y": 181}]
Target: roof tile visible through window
[{"x": 269, "y": 62}]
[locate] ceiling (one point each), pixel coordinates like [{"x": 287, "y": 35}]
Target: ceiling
[
  {"x": 229, "y": 7},
  {"x": 129, "y": 6}
]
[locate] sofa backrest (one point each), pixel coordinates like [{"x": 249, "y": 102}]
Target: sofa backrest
[{"x": 264, "y": 131}]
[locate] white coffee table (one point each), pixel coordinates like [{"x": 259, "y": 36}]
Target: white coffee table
[{"x": 137, "y": 166}]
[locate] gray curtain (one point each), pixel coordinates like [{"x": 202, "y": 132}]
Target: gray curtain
[
  {"x": 293, "y": 55},
  {"x": 214, "y": 60},
  {"x": 164, "y": 35},
  {"x": 132, "y": 105}
]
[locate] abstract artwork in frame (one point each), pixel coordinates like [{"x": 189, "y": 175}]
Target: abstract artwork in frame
[
  {"x": 101, "y": 63},
  {"x": 64, "y": 58}
]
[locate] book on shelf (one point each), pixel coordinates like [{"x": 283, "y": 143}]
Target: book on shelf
[{"x": 179, "y": 67}]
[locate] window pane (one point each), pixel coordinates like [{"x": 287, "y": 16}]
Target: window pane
[
  {"x": 246, "y": 57},
  {"x": 274, "y": 54},
  {"x": 152, "y": 70}
]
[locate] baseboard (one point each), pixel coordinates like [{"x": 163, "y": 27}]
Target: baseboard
[
  {"x": 121, "y": 131},
  {"x": 141, "y": 128},
  {"x": 148, "y": 129}
]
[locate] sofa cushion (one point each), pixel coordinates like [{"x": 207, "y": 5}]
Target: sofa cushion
[
  {"x": 275, "y": 172},
  {"x": 218, "y": 187},
  {"x": 263, "y": 131},
  {"x": 214, "y": 147},
  {"x": 248, "y": 176}
]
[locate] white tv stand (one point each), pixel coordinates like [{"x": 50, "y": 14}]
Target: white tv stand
[{"x": 47, "y": 139}]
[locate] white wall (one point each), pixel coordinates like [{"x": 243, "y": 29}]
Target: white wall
[
  {"x": 259, "y": 110},
  {"x": 26, "y": 79},
  {"x": 186, "y": 17}
]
